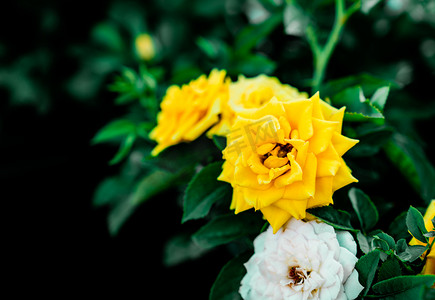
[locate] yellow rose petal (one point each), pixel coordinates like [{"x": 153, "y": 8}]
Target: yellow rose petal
[
  {"x": 299, "y": 114},
  {"x": 323, "y": 195},
  {"x": 275, "y": 216},
  {"x": 306, "y": 187},
  {"x": 275, "y": 162},
  {"x": 328, "y": 162},
  {"x": 296, "y": 208},
  {"x": 343, "y": 177},
  {"x": 323, "y": 131},
  {"x": 342, "y": 144},
  {"x": 265, "y": 148}
]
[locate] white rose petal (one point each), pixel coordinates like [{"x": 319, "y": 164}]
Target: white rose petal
[
  {"x": 303, "y": 260},
  {"x": 346, "y": 240}
]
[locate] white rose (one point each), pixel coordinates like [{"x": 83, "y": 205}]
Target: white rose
[{"x": 303, "y": 260}]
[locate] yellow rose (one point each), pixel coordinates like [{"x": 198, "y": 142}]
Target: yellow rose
[
  {"x": 286, "y": 156},
  {"x": 145, "y": 46},
  {"x": 429, "y": 268},
  {"x": 189, "y": 111},
  {"x": 249, "y": 94}
]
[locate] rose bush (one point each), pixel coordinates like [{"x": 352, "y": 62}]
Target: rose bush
[
  {"x": 303, "y": 260},
  {"x": 285, "y": 156}
]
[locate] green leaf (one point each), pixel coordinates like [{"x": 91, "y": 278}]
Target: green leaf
[
  {"x": 363, "y": 242},
  {"x": 180, "y": 249},
  {"x": 220, "y": 142},
  {"x": 408, "y": 253},
  {"x": 366, "y": 267},
  {"x": 391, "y": 244},
  {"x": 226, "y": 228},
  {"x": 400, "y": 284},
  {"x": 365, "y": 210},
  {"x": 124, "y": 149},
  {"x": 208, "y": 47},
  {"x": 358, "y": 108},
  {"x": 379, "y": 98},
  {"x": 371, "y": 139},
  {"x": 113, "y": 130},
  {"x": 401, "y": 245},
  {"x": 226, "y": 286},
  {"x": 336, "y": 218},
  {"x": 251, "y": 65},
  {"x": 398, "y": 228},
  {"x": 250, "y": 36},
  {"x": 203, "y": 191},
  {"x": 410, "y": 159},
  {"x": 389, "y": 269},
  {"x": 109, "y": 36},
  {"x": 415, "y": 224},
  {"x": 150, "y": 185},
  {"x": 368, "y": 83},
  {"x": 110, "y": 190},
  {"x": 414, "y": 252}
]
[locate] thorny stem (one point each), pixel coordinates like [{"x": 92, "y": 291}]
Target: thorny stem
[{"x": 323, "y": 54}]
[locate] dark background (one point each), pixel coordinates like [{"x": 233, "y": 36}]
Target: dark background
[
  {"x": 49, "y": 170},
  {"x": 56, "y": 240}
]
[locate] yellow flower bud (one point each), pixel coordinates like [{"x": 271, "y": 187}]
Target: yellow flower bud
[{"x": 145, "y": 46}]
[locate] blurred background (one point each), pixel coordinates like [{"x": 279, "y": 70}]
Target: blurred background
[{"x": 58, "y": 64}]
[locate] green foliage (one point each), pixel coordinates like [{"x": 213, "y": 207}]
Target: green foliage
[
  {"x": 365, "y": 209},
  {"x": 227, "y": 283},
  {"x": 144, "y": 189},
  {"x": 415, "y": 223},
  {"x": 181, "y": 248},
  {"x": 248, "y": 37},
  {"x": 409, "y": 157},
  {"x": 404, "y": 286},
  {"x": 366, "y": 267},
  {"x": 203, "y": 191},
  {"x": 389, "y": 269},
  {"x": 226, "y": 228},
  {"x": 358, "y": 108},
  {"x": 336, "y": 218}
]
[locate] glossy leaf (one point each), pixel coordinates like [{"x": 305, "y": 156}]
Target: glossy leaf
[
  {"x": 410, "y": 159},
  {"x": 365, "y": 210},
  {"x": 402, "y": 283},
  {"x": 391, "y": 244},
  {"x": 379, "y": 98},
  {"x": 113, "y": 130},
  {"x": 124, "y": 149},
  {"x": 203, "y": 191},
  {"x": 358, "y": 108},
  {"x": 389, "y": 269},
  {"x": 227, "y": 284},
  {"x": 415, "y": 224},
  {"x": 368, "y": 83},
  {"x": 226, "y": 228},
  {"x": 366, "y": 267},
  {"x": 336, "y": 218}
]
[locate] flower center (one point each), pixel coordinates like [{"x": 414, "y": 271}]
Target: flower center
[
  {"x": 277, "y": 156},
  {"x": 297, "y": 276}
]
